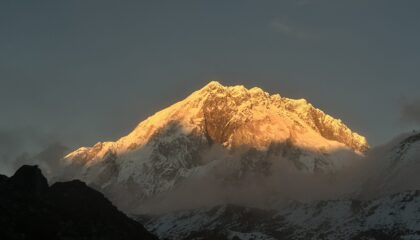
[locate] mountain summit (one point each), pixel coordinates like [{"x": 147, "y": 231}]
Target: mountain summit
[{"x": 250, "y": 129}]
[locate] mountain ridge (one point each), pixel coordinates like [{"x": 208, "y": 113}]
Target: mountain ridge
[
  {"x": 241, "y": 132},
  {"x": 314, "y": 117}
]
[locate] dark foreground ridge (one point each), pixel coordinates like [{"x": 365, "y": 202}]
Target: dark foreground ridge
[{"x": 30, "y": 209}]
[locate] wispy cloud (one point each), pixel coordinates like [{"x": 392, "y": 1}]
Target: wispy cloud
[
  {"x": 19, "y": 146},
  {"x": 286, "y": 28}
]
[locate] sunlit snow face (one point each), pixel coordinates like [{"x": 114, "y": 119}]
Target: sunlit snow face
[{"x": 237, "y": 134}]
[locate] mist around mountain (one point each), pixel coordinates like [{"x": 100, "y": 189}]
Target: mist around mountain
[
  {"x": 384, "y": 204},
  {"x": 233, "y": 145},
  {"x": 225, "y": 144},
  {"x": 237, "y": 163},
  {"x": 358, "y": 216},
  {"x": 391, "y": 217},
  {"x": 29, "y": 145}
]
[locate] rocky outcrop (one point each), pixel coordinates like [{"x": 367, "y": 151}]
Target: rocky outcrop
[{"x": 30, "y": 209}]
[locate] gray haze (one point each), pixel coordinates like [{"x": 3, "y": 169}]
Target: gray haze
[
  {"x": 21, "y": 145},
  {"x": 88, "y": 71},
  {"x": 410, "y": 111},
  {"x": 384, "y": 170}
]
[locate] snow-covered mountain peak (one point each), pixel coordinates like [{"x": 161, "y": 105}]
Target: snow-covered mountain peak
[
  {"x": 213, "y": 85},
  {"x": 255, "y": 130},
  {"x": 235, "y": 116},
  {"x": 239, "y": 105},
  {"x": 240, "y": 92}
]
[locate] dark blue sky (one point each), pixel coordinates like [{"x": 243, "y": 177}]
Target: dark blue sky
[{"x": 86, "y": 71}]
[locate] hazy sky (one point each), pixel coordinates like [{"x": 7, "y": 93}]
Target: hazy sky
[{"x": 85, "y": 71}]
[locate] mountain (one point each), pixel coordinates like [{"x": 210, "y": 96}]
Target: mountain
[
  {"x": 385, "y": 206},
  {"x": 30, "y": 209},
  {"x": 389, "y": 218},
  {"x": 238, "y": 163},
  {"x": 394, "y": 167},
  {"x": 228, "y": 133}
]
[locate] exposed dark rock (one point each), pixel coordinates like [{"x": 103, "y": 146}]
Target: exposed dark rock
[
  {"x": 30, "y": 209},
  {"x": 29, "y": 180}
]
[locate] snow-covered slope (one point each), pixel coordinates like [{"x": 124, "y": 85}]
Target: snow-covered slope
[
  {"x": 390, "y": 172},
  {"x": 394, "y": 167},
  {"x": 246, "y": 131},
  {"x": 393, "y": 217}
]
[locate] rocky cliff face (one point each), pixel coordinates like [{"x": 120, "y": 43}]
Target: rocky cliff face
[{"x": 251, "y": 130}]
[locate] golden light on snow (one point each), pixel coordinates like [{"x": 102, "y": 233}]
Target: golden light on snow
[{"x": 236, "y": 116}]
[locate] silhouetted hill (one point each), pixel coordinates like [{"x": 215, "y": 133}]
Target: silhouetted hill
[{"x": 30, "y": 209}]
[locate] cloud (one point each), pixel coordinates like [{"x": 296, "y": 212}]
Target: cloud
[
  {"x": 287, "y": 29},
  {"x": 27, "y": 145},
  {"x": 410, "y": 111},
  {"x": 369, "y": 177},
  {"x": 258, "y": 180}
]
